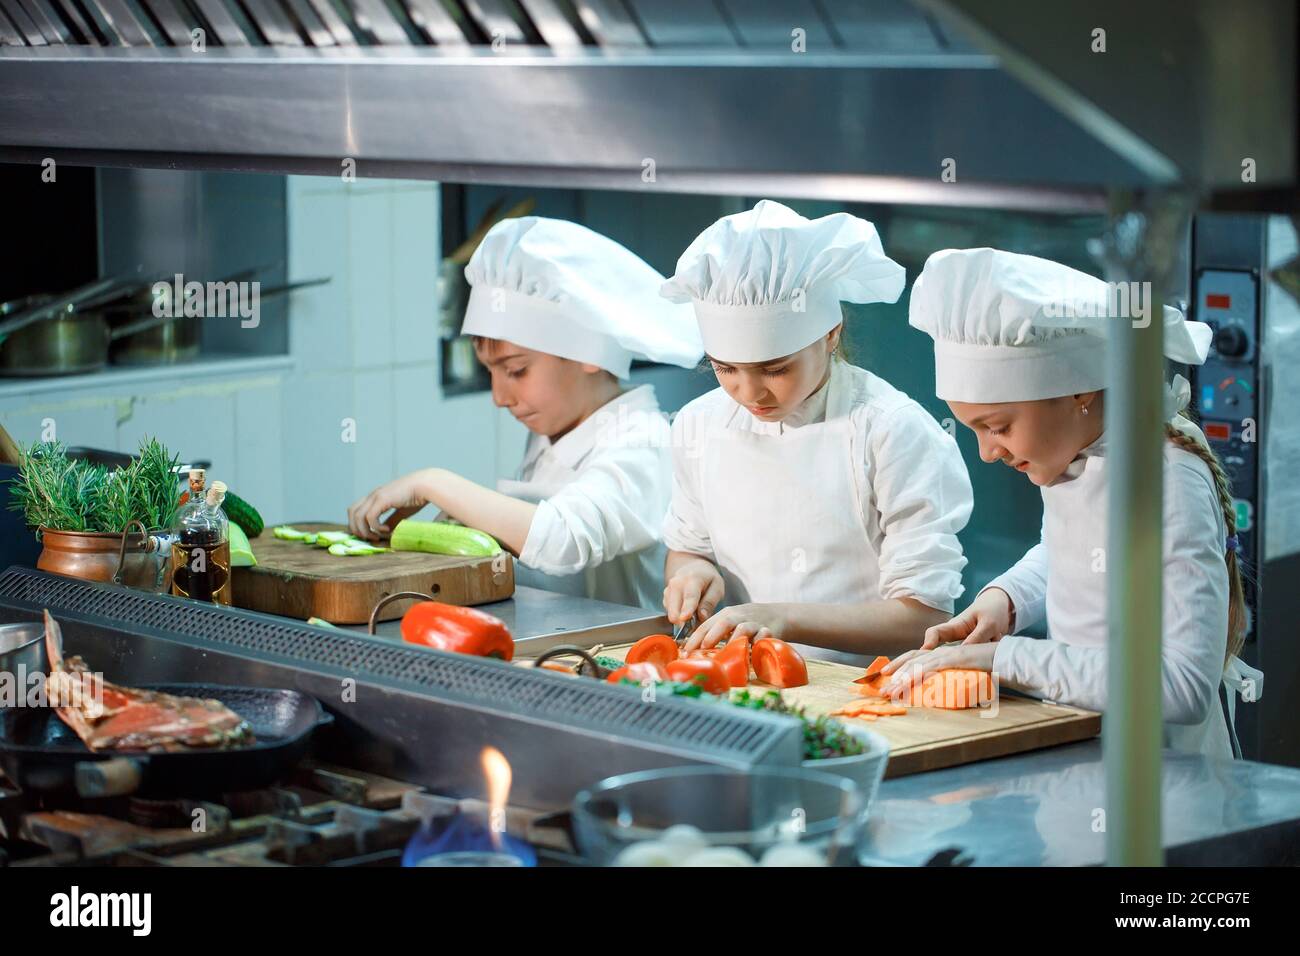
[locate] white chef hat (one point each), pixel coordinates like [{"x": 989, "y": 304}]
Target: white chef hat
[
  {"x": 768, "y": 282},
  {"x": 1011, "y": 328},
  {"x": 557, "y": 287}
]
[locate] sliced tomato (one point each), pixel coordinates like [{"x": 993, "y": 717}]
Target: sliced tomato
[
  {"x": 658, "y": 649},
  {"x": 705, "y": 671},
  {"x": 734, "y": 658},
  {"x": 779, "y": 664},
  {"x": 640, "y": 671}
]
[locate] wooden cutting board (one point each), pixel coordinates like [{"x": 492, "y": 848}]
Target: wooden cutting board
[
  {"x": 929, "y": 739},
  {"x": 302, "y": 581}
]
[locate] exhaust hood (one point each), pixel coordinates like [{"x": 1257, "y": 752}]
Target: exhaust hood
[{"x": 844, "y": 99}]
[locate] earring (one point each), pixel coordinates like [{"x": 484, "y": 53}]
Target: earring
[{"x": 1084, "y": 409}]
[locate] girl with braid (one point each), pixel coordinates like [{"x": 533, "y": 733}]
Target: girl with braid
[{"x": 1020, "y": 359}]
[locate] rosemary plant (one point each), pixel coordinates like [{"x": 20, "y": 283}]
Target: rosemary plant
[{"x": 62, "y": 494}]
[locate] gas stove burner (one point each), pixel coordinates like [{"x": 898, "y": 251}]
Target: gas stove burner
[
  {"x": 323, "y": 816},
  {"x": 156, "y": 813}
]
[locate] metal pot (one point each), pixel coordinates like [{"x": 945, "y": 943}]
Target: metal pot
[
  {"x": 69, "y": 343},
  {"x": 22, "y": 652},
  {"x": 47, "y": 335},
  {"x": 139, "y": 338},
  {"x": 74, "y": 343},
  {"x": 72, "y": 334}
]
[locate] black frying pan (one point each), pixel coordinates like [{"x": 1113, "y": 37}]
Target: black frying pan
[{"x": 40, "y": 753}]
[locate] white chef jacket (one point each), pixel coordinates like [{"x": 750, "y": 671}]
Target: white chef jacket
[
  {"x": 913, "y": 491},
  {"x": 1063, "y": 578},
  {"x": 601, "y": 491}
]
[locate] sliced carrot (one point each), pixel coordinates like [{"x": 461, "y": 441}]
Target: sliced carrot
[
  {"x": 885, "y": 710},
  {"x": 878, "y": 708},
  {"x": 874, "y": 668},
  {"x": 854, "y": 714},
  {"x": 956, "y": 688},
  {"x": 953, "y": 689},
  {"x": 870, "y": 683}
]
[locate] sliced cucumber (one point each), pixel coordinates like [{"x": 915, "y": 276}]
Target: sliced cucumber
[
  {"x": 286, "y": 533},
  {"x": 353, "y": 548}
]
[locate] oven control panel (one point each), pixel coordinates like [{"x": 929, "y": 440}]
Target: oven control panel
[{"x": 1225, "y": 393}]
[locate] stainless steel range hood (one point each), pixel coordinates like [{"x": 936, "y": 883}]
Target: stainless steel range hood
[{"x": 702, "y": 95}]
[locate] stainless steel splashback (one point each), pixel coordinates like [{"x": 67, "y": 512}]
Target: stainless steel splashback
[
  {"x": 841, "y": 99},
  {"x": 406, "y": 712}
]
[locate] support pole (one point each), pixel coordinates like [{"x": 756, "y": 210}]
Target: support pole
[{"x": 1141, "y": 246}]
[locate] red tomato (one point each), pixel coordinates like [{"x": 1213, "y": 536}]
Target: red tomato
[
  {"x": 641, "y": 671},
  {"x": 658, "y": 649},
  {"x": 734, "y": 658},
  {"x": 778, "y": 664},
  {"x": 705, "y": 671}
]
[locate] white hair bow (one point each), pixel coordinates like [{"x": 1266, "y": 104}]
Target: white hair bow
[{"x": 1178, "y": 394}]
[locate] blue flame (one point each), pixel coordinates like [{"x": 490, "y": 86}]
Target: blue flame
[{"x": 461, "y": 832}]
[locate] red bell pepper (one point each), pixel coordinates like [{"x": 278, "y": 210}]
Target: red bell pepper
[{"x": 462, "y": 630}]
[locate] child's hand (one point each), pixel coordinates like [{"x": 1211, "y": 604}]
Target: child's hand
[
  {"x": 753, "y": 620},
  {"x": 987, "y": 619},
  {"x": 909, "y": 669},
  {"x": 694, "y": 590},
  {"x": 402, "y": 494}
]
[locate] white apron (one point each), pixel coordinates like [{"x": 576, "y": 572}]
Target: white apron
[{"x": 786, "y": 520}]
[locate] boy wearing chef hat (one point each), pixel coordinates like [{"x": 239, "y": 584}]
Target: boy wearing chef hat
[
  {"x": 1019, "y": 349},
  {"x": 558, "y": 313},
  {"x": 820, "y": 502}
]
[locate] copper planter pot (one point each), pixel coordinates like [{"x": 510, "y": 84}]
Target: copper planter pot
[{"x": 94, "y": 555}]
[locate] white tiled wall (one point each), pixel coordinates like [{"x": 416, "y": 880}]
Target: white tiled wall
[{"x": 363, "y": 349}]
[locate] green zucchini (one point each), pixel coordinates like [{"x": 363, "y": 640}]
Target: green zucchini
[
  {"x": 440, "y": 537},
  {"x": 243, "y": 514}
]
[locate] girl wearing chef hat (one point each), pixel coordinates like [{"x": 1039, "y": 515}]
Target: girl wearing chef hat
[
  {"x": 558, "y": 313},
  {"x": 820, "y": 502},
  {"x": 1019, "y": 346}
]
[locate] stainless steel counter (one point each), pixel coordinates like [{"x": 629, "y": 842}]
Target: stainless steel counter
[
  {"x": 1045, "y": 808},
  {"x": 541, "y": 619}
]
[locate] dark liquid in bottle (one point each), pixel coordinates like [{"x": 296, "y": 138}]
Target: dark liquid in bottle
[{"x": 201, "y": 567}]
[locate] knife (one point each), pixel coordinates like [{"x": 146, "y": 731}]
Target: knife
[{"x": 684, "y": 630}]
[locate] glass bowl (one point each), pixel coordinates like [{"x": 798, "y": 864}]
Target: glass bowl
[{"x": 665, "y": 817}]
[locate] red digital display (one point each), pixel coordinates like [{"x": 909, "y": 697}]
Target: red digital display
[
  {"x": 1217, "y": 300},
  {"x": 1218, "y": 431}
]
